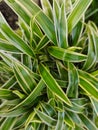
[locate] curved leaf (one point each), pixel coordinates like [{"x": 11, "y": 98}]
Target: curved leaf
[
  {"x": 66, "y": 55},
  {"x": 30, "y": 9},
  {"x": 72, "y": 89},
  {"x": 52, "y": 84},
  {"x": 13, "y": 38},
  {"x": 77, "y": 12},
  {"x": 88, "y": 123}
]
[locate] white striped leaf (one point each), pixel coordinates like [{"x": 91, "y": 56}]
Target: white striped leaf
[
  {"x": 13, "y": 38},
  {"x": 53, "y": 85},
  {"x": 66, "y": 55},
  {"x": 77, "y": 13}
]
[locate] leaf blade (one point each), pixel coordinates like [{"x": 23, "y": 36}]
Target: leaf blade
[{"x": 52, "y": 84}]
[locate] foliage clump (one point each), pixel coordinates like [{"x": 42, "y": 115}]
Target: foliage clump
[{"x": 51, "y": 64}]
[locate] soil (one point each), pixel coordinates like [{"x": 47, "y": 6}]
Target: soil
[{"x": 9, "y": 15}]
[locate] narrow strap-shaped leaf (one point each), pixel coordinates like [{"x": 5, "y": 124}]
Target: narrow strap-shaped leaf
[
  {"x": 60, "y": 23},
  {"x": 88, "y": 123},
  {"x": 80, "y": 101},
  {"x": 74, "y": 108},
  {"x": 93, "y": 80},
  {"x": 77, "y": 32},
  {"x": 63, "y": 29},
  {"x": 52, "y": 84},
  {"x": 30, "y": 117},
  {"x": 72, "y": 89},
  {"x": 32, "y": 96},
  {"x": 68, "y": 120},
  {"x": 7, "y": 47},
  {"x": 66, "y": 55},
  {"x": 43, "y": 42},
  {"x": 8, "y": 123},
  {"x": 14, "y": 38},
  {"x": 95, "y": 73},
  {"x": 60, "y": 121},
  {"x": 74, "y": 117},
  {"x": 47, "y": 8},
  {"x": 32, "y": 9},
  {"x": 77, "y": 12},
  {"x": 88, "y": 87},
  {"x": 77, "y": 127},
  {"x": 56, "y": 11},
  {"x": 96, "y": 45},
  {"x": 9, "y": 60},
  {"x": 25, "y": 17},
  {"x": 63, "y": 73},
  {"x": 25, "y": 80},
  {"x": 35, "y": 32},
  {"x": 49, "y": 109},
  {"x": 93, "y": 29},
  {"x": 19, "y": 94},
  {"x": 10, "y": 83},
  {"x": 6, "y": 94},
  {"x": 20, "y": 121},
  {"x": 25, "y": 30},
  {"x": 4, "y": 66},
  {"x": 45, "y": 118},
  {"x": 91, "y": 59},
  {"x": 95, "y": 105},
  {"x": 15, "y": 113}
]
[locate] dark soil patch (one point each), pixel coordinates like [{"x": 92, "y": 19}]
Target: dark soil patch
[{"x": 9, "y": 15}]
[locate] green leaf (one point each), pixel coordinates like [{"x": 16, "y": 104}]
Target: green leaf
[
  {"x": 77, "y": 32},
  {"x": 66, "y": 55},
  {"x": 77, "y": 13},
  {"x": 63, "y": 31},
  {"x": 88, "y": 123},
  {"x": 56, "y": 10},
  {"x": 88, "y": 87},
  {"x": 53, "y": 85},
  {"x": 68, "y": 120},
  {"x": 60, "y": 121},
  {"x": 30, "y": 9},
  {"x": 30, "y": 117},
  {"x": 10, "y": 83},
  {"x": 78, "y": 127},
  {"x": 20, "y": 121},
  {"x": 25, "y": 30},
  {"x": 14, "y": 113},
  {"x": 43, "y": 42},
  {"x": 74, "y": 117},
  {"x": 32, "y": 96},
  {"x": 49, "y": 109},
  {"x": 6, "y": 94},
  {"x": 91, "y": 59},
  {"x": 7, "y": 47},
  {"x": 47, "y": 9},
  {"x": 95, "y": 105},
  {"x": 63, "y": 73},
  {"x": 75, "y": 108},
  {"x": 24, "y": 78},
  {"x": 8, "y": 123},
  {"x": 7, "y": 58},
  {"x": 45, "y": 118},
  {"x": 14, "y": 38},
  {"x": 60, "y": 23},
  {"x": 93, "y": 80},
  {"x": 72, "y": 89}
]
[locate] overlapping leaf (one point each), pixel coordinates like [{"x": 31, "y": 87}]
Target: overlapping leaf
[
  {"x": 66, "y": 55},
  {"x": 52, "y": 84}
]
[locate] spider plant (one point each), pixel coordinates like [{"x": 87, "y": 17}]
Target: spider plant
[{"x": 51, "y": 67}]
